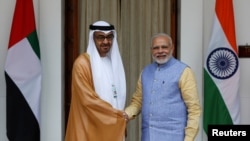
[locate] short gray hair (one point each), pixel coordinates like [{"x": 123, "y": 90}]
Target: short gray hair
[{"x": 161, "y": 34}]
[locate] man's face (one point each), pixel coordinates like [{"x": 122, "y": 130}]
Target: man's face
[
  {"x": 103, "y": 42},
  {"x": 161, "y": 49}
]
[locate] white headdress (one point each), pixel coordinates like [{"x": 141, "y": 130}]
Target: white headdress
[{"x": 102, "y": 88}]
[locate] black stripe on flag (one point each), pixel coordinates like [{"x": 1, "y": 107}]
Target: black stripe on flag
[{"x": 21, "y": 122}]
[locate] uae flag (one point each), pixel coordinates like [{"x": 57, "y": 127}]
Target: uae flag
[
  {"x": 221, "y": 70},
  {"x": 23, "y": 76}
]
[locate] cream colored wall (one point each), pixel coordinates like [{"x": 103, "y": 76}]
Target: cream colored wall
[
  {"x": 51, "y": 31},
  {"x": 242, "y": 21},
  {"x": 191, "y": 27},
  {"x": 6, "y": 10},
  {"x": 196, "y": 22}
]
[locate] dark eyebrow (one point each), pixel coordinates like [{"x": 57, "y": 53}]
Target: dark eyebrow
[
  {"x": 163, "y": 46},
  {"x": 103, "y": 34}
]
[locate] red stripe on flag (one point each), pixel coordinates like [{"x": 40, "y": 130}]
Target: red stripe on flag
[{"x": 23, "y": 21}]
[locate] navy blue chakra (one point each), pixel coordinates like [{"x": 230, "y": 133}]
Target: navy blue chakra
[{"x": 222, "y": 63}]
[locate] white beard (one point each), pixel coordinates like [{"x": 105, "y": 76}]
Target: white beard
[{"x": 162, "y": 61}]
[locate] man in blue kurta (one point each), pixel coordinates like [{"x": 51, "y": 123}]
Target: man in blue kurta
[{"x": 166, "y": 96}]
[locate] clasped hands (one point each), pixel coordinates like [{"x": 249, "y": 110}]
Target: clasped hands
[{"x": 125, "y": 116}]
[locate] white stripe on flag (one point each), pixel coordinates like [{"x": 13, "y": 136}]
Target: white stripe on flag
[{"x": 24, "y": 68}]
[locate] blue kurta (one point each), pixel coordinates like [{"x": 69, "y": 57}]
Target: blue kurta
[{"x": 164, "y": 113}]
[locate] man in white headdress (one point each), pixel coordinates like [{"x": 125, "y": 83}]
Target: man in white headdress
[{"x": 98, "y": 89}]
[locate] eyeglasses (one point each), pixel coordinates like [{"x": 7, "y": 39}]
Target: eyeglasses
[{"x": 101, "y": 38}]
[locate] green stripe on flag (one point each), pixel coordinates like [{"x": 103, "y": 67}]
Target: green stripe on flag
[
  {"x": 33, "y": 39},
  {"x": 215, "y": 109}
]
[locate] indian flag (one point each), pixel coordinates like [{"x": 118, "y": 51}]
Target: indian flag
[
  {"x": 23, "y": 76},
  {"x": 221, "y": 70}
]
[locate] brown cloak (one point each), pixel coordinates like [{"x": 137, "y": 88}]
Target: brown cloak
[{"x": 91, "y": 118}]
